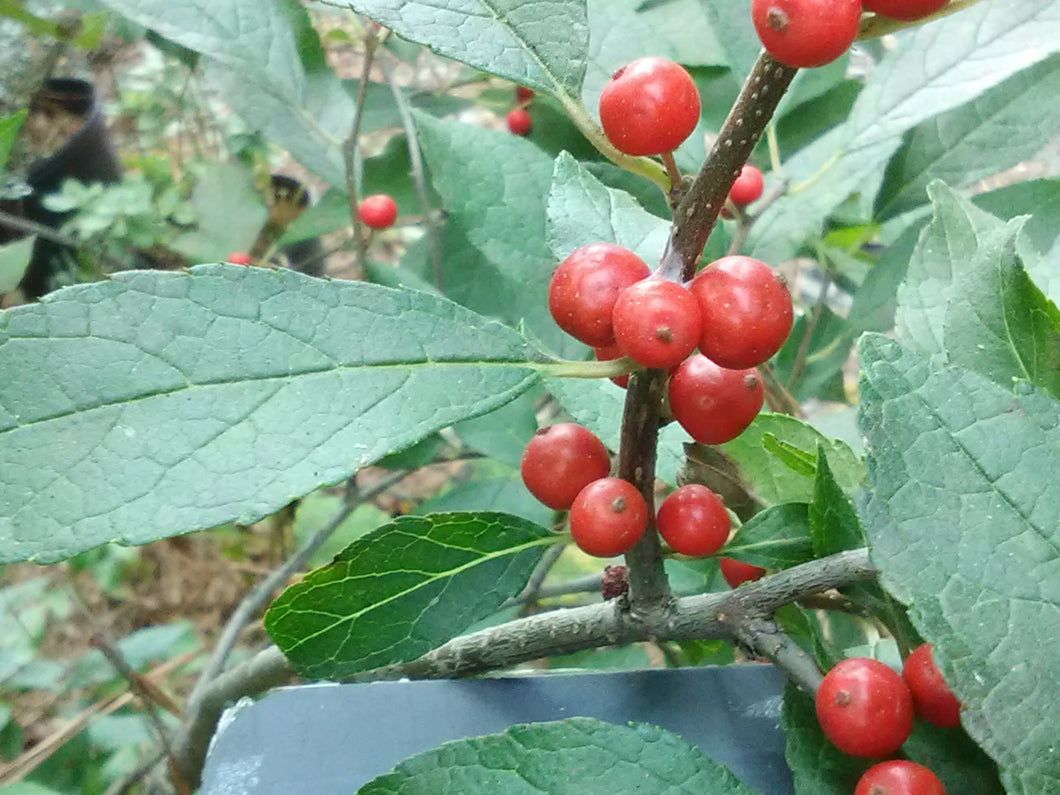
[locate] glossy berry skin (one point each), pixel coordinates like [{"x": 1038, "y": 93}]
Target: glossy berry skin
[
  {"x": 736, "y": 572},
  {"x": 377, "y": 211},
  {"x": 746, "y": 311},
  {"x": 864, "y": 707},
  {"x": 932, "y": 698},
  {"x": 649, "y": 106},
  {"x": 657, "y": 322},
  {"x": 239, "y": 258},
  {"x": 693, "y": 520},
  {"x": 561, "y": 460},
  {"x": 606, "y": 353},
  {"x": 748, "y": 186},
  {"x": 714, "y": 404},
  {"x": 899, "y": 777},
  {"x": 907, "y": 10},
  {"x": 585, "y": 286},
  {"x": 608, "y": 517},
  {"x": 804, "y": 33},
  {"x": 519, "y": 121}
]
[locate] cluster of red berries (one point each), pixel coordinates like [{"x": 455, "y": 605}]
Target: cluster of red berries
[
  {"x": 518, "y": 118},
  {"x": 736, "y": 310},
  {"x": 866, "y": 709},
  {"x": 804, "y": 33}
]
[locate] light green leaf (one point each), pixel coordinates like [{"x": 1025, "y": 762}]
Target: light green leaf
[
  {"x": 229, "y": 213},
  {"x": 404, "y": 589},
  {"x": 538, "y": 43},
  {"x": 962, "y": 518},
  {"x": 970, "y": 52},
  {"x": 159, "y": 403},
  {"x": 775, "y": 538},
  {"x": 9, "y": 127},
  {"x": 578, "y": 756},
  {"x": 14, "y": 259},
  {"x": 1005, "y": 126},
  {"x": 582, "y": 210},
  {"x": 502, "y": 434},
  {"x": 494, "y": 185},
  {"x": 731, "y": 21}
]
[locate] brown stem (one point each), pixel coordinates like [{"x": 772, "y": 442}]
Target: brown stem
[
  {"x": 698, "y": 211},
  {"x": 349, "y": 148}
]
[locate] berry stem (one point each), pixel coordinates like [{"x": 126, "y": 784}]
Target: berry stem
[{"x": 698, "y": 211}]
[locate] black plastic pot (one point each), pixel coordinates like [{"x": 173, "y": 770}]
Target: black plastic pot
[{"x": 330, "y": 738}]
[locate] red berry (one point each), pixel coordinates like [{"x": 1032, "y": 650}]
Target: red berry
[
  {"x": 899, "y": 777},
  {"x": 561, "y": 460},
  {"x": 746, "y": 311},
  {"x": 712, "y": 403},
  {"x": 239, "y": 258},
  {"x": 585, "y": 286},
  {"x": 748, "y": 186},
  {"x": 693, "y": 520},
  {"x": 806, "y": 32},
  {"x": 523, "y": 94},
  {"x": 649, "y": 106},
  {"x": 932, "y": 697},
  {"x": 657, "y": 322},
  {"x": 608, "y": 517},
  {"x": 736, "y": 572},
  {"x": 605, "y": 353},
  {"x": 377, "y": 211},
  {"x": 864, "y": 707},
  {"x": 904, "y": 9},
  {"x": 519, "y": 121}
]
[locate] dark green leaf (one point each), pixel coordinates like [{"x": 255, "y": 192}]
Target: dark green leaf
[
  {"x": 502, "y": 434},
  {"x": 578, "y": 756},
  {"x": 818, "y": 370},
  {"x": 731, "y": 21},
  {"x": 873, "y": 306},
  {"x": 962, "y": 522},
  {"x": 961, "y": 764},
  {"x": 834, "y": 523},
  {"x": 494, "y": 185},
  {"x": 1005, "y": 126},
  {"x": 187, "y": 400},
  {"x": 488, "y": 491},
  {"x": 582, "y": 210},
  {"x": 818, "y": 767},
  {"x": 540, "y": 43},
  {"x": 404, "y": 589},
  {"x": 775, "y": 538}
]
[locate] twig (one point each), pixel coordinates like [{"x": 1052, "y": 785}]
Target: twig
[
  {"x": 767, "y": 639},
  {"x": 419, "y": 179},
  {"x": 350, "y": 150},
  {"x": 532, "y": 590},
  {"x": 811, "y": 325},
  {"x": 748, "y": 219},
  {"x": 261, "y": 592},
  {"x": 698, "y": 211},
  {"x": 42, "y": 230}
]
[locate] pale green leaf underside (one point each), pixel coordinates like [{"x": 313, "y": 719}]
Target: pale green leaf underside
[
  {"x": 964, "y": 522},
  {"x": 579, "y": 756},
  {"x": 159, "y": 403},
  {"x": 539, "y": 43},
  {"x": 404, "y": 589}
]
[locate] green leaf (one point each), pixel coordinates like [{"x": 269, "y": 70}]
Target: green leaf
[
  {"x": 494, "y": 185},
  {"x": 229, "y": 213},
  {"x": 797, "y": 459},
  {"x": 966, "y": 287},
  {"x": 582, "y": 210},
  {"x": 1038, "y": 244},
  {"x": 971, "y": 52},
  {"x": 187, "y": 400},
  {"x": 404, "y": 589},
  {"x": 950, "y": 753},
  {"x": 487, "y": 491},
  {"x": 316, "y": 510},
  {"x": 538, "y": 43},
  {"x": 775, "y": 538},
  {"x": 502, "y": 434},
  {"x": 731, "y": 21},
  {"x": 1005, "y": 126},
  {"x": 9, "y": 127},
  {"x": 770, "y": 477},
  {"x": 962, "y": 522},
  {"x": 818, "y": 767},
  {"x": 834, "y": 523},
  {"x": 14, "y": 259},
  {"x": 577, "y": 756}
]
